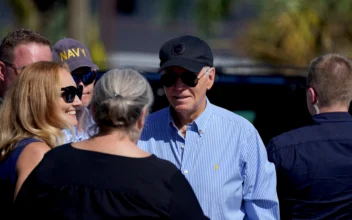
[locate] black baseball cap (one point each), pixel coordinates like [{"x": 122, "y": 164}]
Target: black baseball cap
[{"x": 186, "y": 51}]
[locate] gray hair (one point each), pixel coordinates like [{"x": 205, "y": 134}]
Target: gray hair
[{"x": 119, "y": 98}]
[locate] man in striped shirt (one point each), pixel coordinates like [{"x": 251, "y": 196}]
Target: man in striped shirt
[{"x": 220, "y": 153}]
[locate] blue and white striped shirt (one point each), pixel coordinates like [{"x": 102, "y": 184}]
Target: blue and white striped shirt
[
  {"x": 83, "y": 135},
  {"x": 222, "y": 157}
]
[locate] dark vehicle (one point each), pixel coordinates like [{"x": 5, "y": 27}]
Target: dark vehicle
[
  {"x": 274, "y": 103},
  {"x": 273, "y": 100}
]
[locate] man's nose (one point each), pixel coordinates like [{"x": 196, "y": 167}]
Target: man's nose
[
  {"x": 179, "y": 83},
  {"x": 80, "y": 83}
]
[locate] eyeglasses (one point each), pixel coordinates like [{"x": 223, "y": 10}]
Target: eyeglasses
[
  {"x": 70, "y": 92},
  {"x": 190, "y": 79},
  {"x": 15, "y": 69},
  {"x": 86, "y": 78}
]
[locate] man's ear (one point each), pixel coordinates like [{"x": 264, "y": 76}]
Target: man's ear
[
  {"x": 211, "y": 78},
  {"x": 2, "y": 71},
  {"x": 312, "y": 95}
]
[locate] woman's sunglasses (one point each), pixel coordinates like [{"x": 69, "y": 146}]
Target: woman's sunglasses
[
  {"x": 86, "y": 78},
  {"x": 69, "y": 93},
  {"x": 190, "y": 79}
]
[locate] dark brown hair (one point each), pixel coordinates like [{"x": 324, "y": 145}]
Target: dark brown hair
[{"x": 17, "y": 37}]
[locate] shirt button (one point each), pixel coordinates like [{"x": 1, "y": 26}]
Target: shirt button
[
  {"x": 185, "y": 171},
  {"x": 182, "y": 146}
]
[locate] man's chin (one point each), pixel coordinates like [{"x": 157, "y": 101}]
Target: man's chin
[
  {"x": 181, "y": 108},
  {"x": 85, "y": 102}
]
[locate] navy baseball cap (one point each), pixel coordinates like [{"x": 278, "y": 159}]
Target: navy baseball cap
[
  {"x": 74, "y": 53},
  {"x": 186, "y": 51}
]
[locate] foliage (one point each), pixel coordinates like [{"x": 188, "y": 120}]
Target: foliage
[
  {"x": 296, "y": 31},
  {"x": 26, "y": 13},
  {"x": 56, "y": 28},
  {"x": 53, "y": 25},
  {"x": 207, "y": 12},
  {"x": 96, "y": 46},
  {"x": 285, "y": 31}
]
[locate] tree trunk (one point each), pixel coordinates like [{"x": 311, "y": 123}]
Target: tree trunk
[
  {"x": 108, "y": 23},
  {"x": 78, "y": 11}
]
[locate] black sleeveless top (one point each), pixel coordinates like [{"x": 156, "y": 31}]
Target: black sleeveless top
[
  {"x": 70, "y": 183},
  {"x": 8, "y": 175}
]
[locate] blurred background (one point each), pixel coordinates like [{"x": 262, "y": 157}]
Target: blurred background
[{"x": 261, "y": 47}]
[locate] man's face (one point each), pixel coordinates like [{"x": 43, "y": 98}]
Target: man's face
[
  {"x": 185, "y": 99},
  {"x": 23, "y": 55},
  {"x": 86, "y": 77}
]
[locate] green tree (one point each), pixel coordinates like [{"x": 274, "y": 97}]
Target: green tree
[
  {"x": 284, "y": 32},
  {"x": 26, "y": 13},
  {"x": 296, "y": 31},
  {"x": 206, "y": 12},
  {"x": 54, "y": 24}
]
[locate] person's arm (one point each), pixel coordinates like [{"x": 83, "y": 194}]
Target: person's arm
[
  {"x": 271, "y": 148},
  {"x": 28, "y": 160},
  {"x": 282, "y": 188},
  {"x": 184, "y": 203},
  {"x": 259, "y": 188}
]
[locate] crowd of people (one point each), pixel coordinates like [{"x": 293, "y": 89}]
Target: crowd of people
[{"x": 75, "y": 147}]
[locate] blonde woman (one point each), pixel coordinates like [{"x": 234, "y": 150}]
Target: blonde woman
[{"x": 39, "y": 104}]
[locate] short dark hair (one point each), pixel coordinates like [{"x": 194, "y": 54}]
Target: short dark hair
[
  {"x": 17, "y": 37},
  {"x": 330, "y": 76}
]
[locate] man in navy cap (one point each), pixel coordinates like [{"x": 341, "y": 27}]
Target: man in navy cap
[
  {"x": 220, "y": 153},
  {"x": 84, "y": 72}
]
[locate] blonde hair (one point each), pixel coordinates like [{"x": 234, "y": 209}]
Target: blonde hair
[{"x": 30, "y": 107}]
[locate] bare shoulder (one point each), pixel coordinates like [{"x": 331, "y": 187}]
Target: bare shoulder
[
  {"x": 36, "y": 148},
  {"x": 32, "y": 153},
  {"x": 29, "y": 158}
]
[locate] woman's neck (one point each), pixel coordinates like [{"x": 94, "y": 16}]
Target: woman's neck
[{"x": 116, "y": 143}]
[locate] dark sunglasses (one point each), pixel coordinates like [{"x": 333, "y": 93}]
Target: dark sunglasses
[
  {"x": 190, "y": 79},
  {"x": 17, "y": 70},
  {"x": 86, "y": 78},
  {"x": 70, "y": 92}
]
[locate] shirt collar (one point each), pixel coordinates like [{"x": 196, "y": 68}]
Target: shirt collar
[
  {"x": 202, "y": 119},
  {"x": 332, "y": 117}
]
